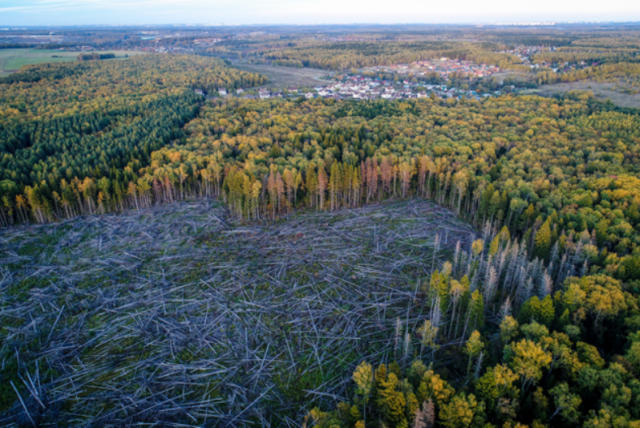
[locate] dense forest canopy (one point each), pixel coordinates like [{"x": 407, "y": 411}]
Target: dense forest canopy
[
  {"x": 64, "y": 123},
  {"x": 51, "y": 90},
  {"x": 346, "y": 55}
]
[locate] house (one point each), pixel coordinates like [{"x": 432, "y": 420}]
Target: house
[
  {"x": 222, "y": 92},
  {"x": 308, "y": 95},
  {"x": 264, "y": 94},
  {"x": 239, "y": 91},
  {"x": 199, "y": 92}
]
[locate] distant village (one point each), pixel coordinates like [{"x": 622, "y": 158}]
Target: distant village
[
  {"x": 357, "y": 87},
  {"x": 526, "y": 54},
  {"x": 368, "y": 86},
  {"x": 444, "y": 67}
]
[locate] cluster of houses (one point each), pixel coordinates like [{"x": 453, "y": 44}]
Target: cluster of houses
[
  {"x": 367, "y": 88},
  {"x": 264, "y": 94},
  {"x": 444, "y": 67},
  {"x": 206, "y": 42},
  {"x": 164, "y": 49},
  {"x": 363, "y": 88},
  {"x": 347, "y": 39},
  {"x": 565, "y": 67},
  {"x": 525, "y": 53},
  {"x": 360, "y": 88}
]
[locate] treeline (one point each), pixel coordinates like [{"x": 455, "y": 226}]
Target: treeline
[
  {"x": 51, "y": 71},
  {"x": 615, "y": 41},
  {"x": 288, "y": 63},
  {"x": 572, "y": 57},
  {"x": 95, "y": 56},
  {"x": 626, "y": 73},
  {"x": 18, "y": 45},
  {"x": 55, "y": 159},
  {"x": 522, "y": 38},
  {"x": 52, "y": 90},
  {"x": 346, "y": 55}
]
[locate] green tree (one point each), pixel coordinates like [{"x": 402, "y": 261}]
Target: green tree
[
  {"x": 496, "y": 388},
  {"x": 459, "y": 412},
  {"x": 540, "y": 311},
  {"x": 508, "y": 329},
  {"x": 392, "y": 402},
  {"x": 473, "y": 348},
  {"x": 542, "y": 241},
  {"x": 566, "y": 403},
  {"x": 363, "y": 377},
  {"x": 528, "y": 360}
]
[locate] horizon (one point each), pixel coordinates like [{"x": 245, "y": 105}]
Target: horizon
[
  {"x": 515, "y": 23},
  {"x": 37, "y": 13}
]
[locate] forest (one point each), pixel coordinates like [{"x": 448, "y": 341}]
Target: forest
[
  {"x": 347, "y": 55},
  {"x": 95, "y": 56},
  {"x": 62, "y": 125},
  {"x": 508, "y": 226}
]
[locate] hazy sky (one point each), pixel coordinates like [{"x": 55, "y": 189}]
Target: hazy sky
[{"x": 78, "y": 12}]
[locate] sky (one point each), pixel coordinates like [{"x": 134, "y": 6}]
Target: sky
[{"x": 242, "y": 12}]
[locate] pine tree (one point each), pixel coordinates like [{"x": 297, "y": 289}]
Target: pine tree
[
  {"x": 311, "y": 184},
  {"x": 542, "y": 242},
  {"x": 428, "y": 335},
  {"x": 321, "y": 186},
  {"x": 363, "y": 377},
  {"x": 392, "y": 402},
  {"x": 475, "y": 312},
  {"x": 459, "y": 412},
  {"x": 473, "y": 348}
]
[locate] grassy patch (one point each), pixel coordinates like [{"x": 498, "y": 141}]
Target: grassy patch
[{"x": 15, "y": 59}]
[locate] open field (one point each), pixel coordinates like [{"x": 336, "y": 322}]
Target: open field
[
  {"x": 181, "y": 314},
  {"x": 287, "y": 77},
  {"x": 602, "y": 91},
  {"x": 13, "y": 59}
]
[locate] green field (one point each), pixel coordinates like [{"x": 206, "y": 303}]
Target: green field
[{"x": 14, "y": 59}]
